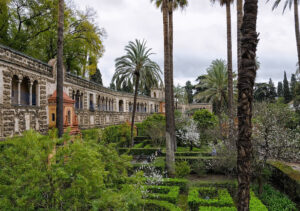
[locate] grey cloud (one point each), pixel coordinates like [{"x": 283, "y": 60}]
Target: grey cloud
[{"x": 199, "y": 36}]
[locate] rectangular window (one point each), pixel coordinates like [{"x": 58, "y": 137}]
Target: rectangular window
[{"x": 53, "y": 117}]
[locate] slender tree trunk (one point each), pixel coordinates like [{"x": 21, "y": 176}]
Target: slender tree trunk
[
  {"x": 134, "y": 106},
  {"x": 239, "y": 25},
  {"x": 229, "y": 69},
  {"x": 296, "y": 14},
  {"x": 246, "y": 79},
  {"x": 170, "y": 159},
  {"x": 171, "y": 41},
  {"x": 60, "y": 73}
]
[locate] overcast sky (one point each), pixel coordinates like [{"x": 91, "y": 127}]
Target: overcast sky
[{"x": 199, "y": 36}]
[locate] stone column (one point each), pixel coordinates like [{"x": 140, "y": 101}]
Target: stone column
[
  {"x": 19, "y": 91},
  {"x": 30, "y": 93}
]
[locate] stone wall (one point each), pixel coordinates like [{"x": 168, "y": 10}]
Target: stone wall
[{"x": 30, "y": 111}]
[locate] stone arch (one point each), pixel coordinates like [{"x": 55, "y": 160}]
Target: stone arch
[
  {"x": 14, "y": 90},
  {"x": 25, "y": 94},
  {"x": 99, "y": 102},
  {"x": 130, "y": 107},
  {"x": 154, "y": 94}
]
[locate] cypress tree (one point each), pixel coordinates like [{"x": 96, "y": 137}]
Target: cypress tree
[
  {"x": 286, "y": 90},
  {"x": 293, "y": 85},
  {"x": 272, "y": 90},
  {"x": 97, "y": 77},
  {"x": 189, "y": 90},
  {"x": 279, "y": 89}
]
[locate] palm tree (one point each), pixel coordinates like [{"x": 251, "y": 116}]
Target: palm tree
[
  {"x": 296, "y": 17},
  {"x": 171, "y": 5},
  {"x": 215, "y": 86},
  {"x": 60, "y": 74},
  {"x": 246, "y": 79},
  {"x": 229, "y": 63},
  {"x": 136, "y": 66},
  {"x": 239, "y": 8}
]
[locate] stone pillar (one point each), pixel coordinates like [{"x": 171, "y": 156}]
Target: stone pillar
[
  {"x": 19, "y": 91},
  {"x": 30, "y": 93}
]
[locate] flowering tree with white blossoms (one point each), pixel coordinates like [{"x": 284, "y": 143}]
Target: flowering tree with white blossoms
[
  {"x": 189, "y": 134},
  {"x": 274, "y": 137}
]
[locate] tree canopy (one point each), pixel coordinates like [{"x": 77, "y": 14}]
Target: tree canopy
[{"x": 31, "y": 27}]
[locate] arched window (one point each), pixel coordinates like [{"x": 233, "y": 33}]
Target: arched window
[
  {"x": 35, "y": 93},
  {"x": 77, "y": 100},
  {"x": 130, "y": 107},
  {"x": 121, "y": 108},
  {"x": 25, "y": 95},
  {"x": 14, "y": 90}
]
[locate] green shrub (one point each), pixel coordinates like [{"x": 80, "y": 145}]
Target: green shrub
[
  {"x": 199, "y": 168},
  {"x": 256, "y": 204},
  {"x": 81, "y": 175},
  {"x": 155, "y": 128},
  {"x": 182, "y": 169},
  {"x": 274, "y": 199},
  {"x": 119, "y": 134},
  {"x": 182, "y": 183},
  {"x": 202, "y": 208},
  {"x": 204, "y": 119},
  {"x": 209, "y": 196},
  {"x": 163, "y": 193},
  {"x": 156, "y": 205},
  {"x": 93, "y": 134}
]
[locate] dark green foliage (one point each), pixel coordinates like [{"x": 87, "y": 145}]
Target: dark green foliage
[
  {"x": 156, "y": 205},
  {"x": 182, "y": 169},
  {"x": 286, "y": 90},
  {"x": 293, "y": 85},
  {"x": 199, "y": 168},
  {"x": 97, "y": 77},
  {"x": 163, "y": 193},
  {"x": 189, "y": 90},
  {"x": 264, "y": 91},
  {"x": 280, "y": 89},
  {"x": 297, "y": 99},
  {"x": 274, "y": 199},
  {"x": 80, "y": 176}
]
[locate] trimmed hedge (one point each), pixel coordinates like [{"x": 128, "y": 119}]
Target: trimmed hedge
[
  {"x": 156, "y": 205},
  {"x": 209, "y": 196},
  {"x": 163, "y": 193},
  {"x": 287, "y": 179},
  {"x": 139, "y": 151},
  {"x": 201, "y": 208},
  {"x": 256, "y": 204},
  {"x": 274, "y": 199}
]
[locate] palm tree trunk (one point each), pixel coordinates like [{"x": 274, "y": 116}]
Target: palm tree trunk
[
  {"x": 239, "y": 25},
  {"x": 229, "y": 69},
  {"x": 170, "y": 159},
  {"x": 60, "y": 74},
  {"x": 246, "y": 81},
  {"x": 296, "y": 14},
  {"x": 134, "y": 106},
  {"x": 171, "y": 41}
]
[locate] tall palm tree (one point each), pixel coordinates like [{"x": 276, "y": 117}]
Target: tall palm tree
[
  {"x": 215, "y": 87},
  {"x": 296, "y": 17},
  {"x": 60, "y": 74},
  {"x": 227, "y": 3},
  {"x": 172, "y": 5},
  {"x": 246, "y": 79},
  {"x": 136, "y": 66},
  {"x": 239, "y": 8}
]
